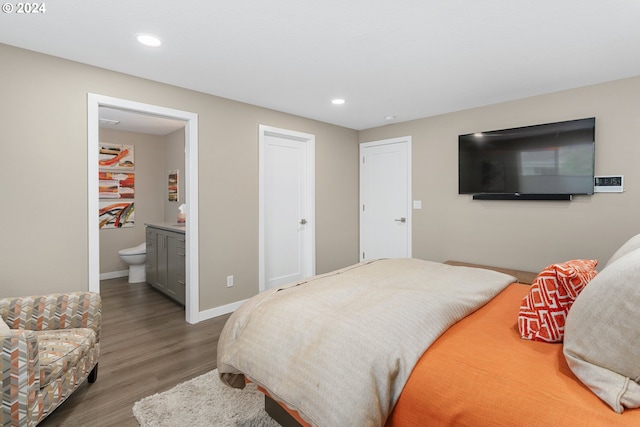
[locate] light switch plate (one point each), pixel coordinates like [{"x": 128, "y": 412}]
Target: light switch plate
[{"x": 608, "y": 184}]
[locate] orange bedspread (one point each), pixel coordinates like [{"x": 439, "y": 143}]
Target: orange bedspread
[{"x": 481, "y": 373}]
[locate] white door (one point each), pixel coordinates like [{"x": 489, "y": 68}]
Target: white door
[
  {"x": 287, "y": 226},
  {"x": 385, "y": 199}
]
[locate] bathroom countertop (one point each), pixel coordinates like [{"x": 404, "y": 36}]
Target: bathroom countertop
[{"x": 170, "y": 226}]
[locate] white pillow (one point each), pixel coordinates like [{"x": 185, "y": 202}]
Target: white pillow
[
  {"x": 602, "y": 333},
  {"x": 629, "y": 246}
]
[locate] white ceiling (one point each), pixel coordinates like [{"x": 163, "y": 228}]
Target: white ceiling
[
  {"x": 118, "y": 119},
  {"x": 405, "y": 58}
]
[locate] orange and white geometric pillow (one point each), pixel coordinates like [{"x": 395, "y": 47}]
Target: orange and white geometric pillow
[{"x": 544, "y": 310}]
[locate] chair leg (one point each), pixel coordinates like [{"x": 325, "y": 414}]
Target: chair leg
[{"x": 93, "y": 375}]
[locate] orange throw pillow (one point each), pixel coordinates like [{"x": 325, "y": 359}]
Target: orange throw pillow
[{"x": 544, "y": 310}]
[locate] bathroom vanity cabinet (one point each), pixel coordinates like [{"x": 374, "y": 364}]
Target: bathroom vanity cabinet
[{"x": 165, "y": 265}]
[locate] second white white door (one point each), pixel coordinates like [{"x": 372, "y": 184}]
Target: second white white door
[
  {"x": 287, "y": 208},
  {"x": 385, "y": 199}
]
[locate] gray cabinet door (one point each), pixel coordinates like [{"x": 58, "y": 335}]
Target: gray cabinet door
[
  {"x": 162, "y": 261},
  {"x": 166, "y": 262},
  {"x": 150, "y": 263},
  {"x": 176, "y": 267}
]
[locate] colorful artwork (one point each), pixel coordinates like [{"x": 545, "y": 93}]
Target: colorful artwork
[
  {"x": 117, "y": 215},
  {"x": 173, "y": 186},
  {"x": 115, "y": 156},
  {"x": 116, "y": 185}
]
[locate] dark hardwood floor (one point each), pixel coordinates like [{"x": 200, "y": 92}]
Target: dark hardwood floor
[{"x": 146, "y": 347}]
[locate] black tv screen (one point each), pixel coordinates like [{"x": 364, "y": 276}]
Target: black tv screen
[{"x": 547, "y": 159}]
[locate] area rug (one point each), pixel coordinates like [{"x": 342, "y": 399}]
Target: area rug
[{"x": 204, "y": 401}]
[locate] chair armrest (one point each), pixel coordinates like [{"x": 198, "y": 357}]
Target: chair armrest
[
  {"x": 20, "y": 377},
  {"x": 54, "y": 311}
]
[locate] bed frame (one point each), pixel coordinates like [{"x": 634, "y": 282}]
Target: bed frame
[
  {"x": 526, "y": 277},
  {"x": 279, "y": 414}
]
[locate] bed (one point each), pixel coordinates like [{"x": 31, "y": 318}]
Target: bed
[{"x": 389, "y": 366}]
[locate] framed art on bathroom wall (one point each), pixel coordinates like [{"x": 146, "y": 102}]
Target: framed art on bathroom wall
[
  {"x": 117, "y": 215},
  {"x": 115, "y": 156},
  {"x": 173, "y": 185},
  {"x": 116, "y": 185}
]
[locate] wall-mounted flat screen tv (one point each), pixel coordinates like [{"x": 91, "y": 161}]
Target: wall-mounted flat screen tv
[{"x": 535, "y": 162}]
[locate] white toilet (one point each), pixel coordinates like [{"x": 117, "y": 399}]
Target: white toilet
[{"x": 135, "y": 257}]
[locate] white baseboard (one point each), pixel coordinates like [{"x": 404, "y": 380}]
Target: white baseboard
[
  {"x": 219, "y": 311},
  {"x": 114, "y": 274}
]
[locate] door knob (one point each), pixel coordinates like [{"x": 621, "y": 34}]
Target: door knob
[
  {"x": 303, "y": 221},
  {"x": 403, "y": 219}
]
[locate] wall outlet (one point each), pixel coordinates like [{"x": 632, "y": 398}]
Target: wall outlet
[{"x": 229, "y": 281}]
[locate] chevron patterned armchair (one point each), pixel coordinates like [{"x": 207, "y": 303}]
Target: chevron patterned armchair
[{"x": 50, "y": 345}]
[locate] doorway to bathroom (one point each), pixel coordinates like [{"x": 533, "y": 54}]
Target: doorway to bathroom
[{"x": 97, "y": 104}]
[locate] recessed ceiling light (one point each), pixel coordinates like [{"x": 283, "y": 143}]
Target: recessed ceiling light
[
  {"x": 390, "y": 117},
  {"x": 337, "y": 101},
  {"x": 149, "y": 40}
]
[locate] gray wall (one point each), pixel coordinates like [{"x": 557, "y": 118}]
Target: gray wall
[
  {"x": 44, "y": 141},
  {"x": 44, "y": 130},
  {"x": 525, "y": 234}
]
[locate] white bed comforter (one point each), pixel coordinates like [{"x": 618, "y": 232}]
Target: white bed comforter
[{"x": 339, "y": 347}]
